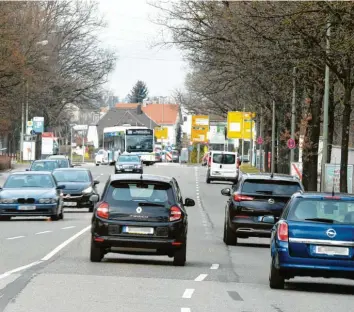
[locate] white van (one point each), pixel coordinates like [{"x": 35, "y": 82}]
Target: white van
[
  {"x": 222, "y": 166},
  {"x": 101, "y": 157}
]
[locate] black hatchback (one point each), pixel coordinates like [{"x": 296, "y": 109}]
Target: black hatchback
[
  {"x": 142, "y": 215},
  {"x": 255, "y": 203}
]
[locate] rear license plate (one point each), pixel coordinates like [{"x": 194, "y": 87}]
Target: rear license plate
[
  {"x": 26, "y": 207},
  {"x": 216, "y": 173},
  {"x": 138, "y": 230},
  {"x": 128, "y": 170},
  {"x": 70, "y": 204},
  {"x": 332, "y": 251}
]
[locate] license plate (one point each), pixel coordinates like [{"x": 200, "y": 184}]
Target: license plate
[
  {"x": 138, "y": 230},
  {"x": 332, "y": 251},
  {"x": 216, "y": 173},
  {"x": 129, "y": 170},
  {"x": 70, "y": 204},
  {"x": 26, "y": 207}
]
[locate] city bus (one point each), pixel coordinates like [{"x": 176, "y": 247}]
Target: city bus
[{"x": 141, "y": 141}]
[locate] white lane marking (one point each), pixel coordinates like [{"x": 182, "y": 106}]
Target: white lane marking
[
  {"x": 8, "y": 273},
  {"x": 67, "y": 242},
  {"x": 44, "y": 232},
  {"x": 101, "y": 173},
  {"x": 185, "y": 310},
  {"x": 201, "y": 277},
  {"x": 68, "y": 227},
  {"x": 188, "y": 293},
  {"x": 15, "y": 237},
  {"x": 214, "y": 266}
]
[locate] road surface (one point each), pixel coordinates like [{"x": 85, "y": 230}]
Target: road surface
[{"x": 44, "y": 266}]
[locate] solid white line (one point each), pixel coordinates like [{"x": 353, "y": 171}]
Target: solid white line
[
  {"x": 201, "y": 277},
  {"x": 6, "y": 274},
  {"x": 44, "y": 232},
  {"x": 188, "y": 293},
  {"x": 185, "y": 310},
  {"x": 68, "y": 227},
  {"x": 214, "y": 266},
  {"x": 67, "y": 242},
  {"x": 15, "y": 237}
]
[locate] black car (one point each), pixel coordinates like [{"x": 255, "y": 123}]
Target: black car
[
  {"x": 62, "y": 160},
  {"x": 79, "y": 186},
  {"x": 141, "y": 215},
  {"x": 128, "y": 164},
  {"x": 252, "y": 200},
  {"x": 44, "y": 165}
]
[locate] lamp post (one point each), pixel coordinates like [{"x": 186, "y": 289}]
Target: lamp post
[{"x": 71, "y": 142}]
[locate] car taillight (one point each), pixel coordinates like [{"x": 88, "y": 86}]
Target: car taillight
[
  {"x": 175, "y": 213},
  {"x": 239, "y": 197},
  {"x": 103, "y": 210},
  {"x": 209, "y": 161},
  {"x": 283, "y": 232}
]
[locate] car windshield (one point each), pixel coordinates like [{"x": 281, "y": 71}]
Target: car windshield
[
  {"x": 148, "y": 192},
  {"x": 44, "y": 165},
  {"x": 319, "y": 210},
  {"x": 29, "y": 180},
  {"x": 72, "y": 176},
  {"x": 272, "y": 187},
  {"x": 128, "y": 159}
]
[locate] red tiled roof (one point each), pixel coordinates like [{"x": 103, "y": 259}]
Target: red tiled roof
[{"x": 126, "y": 105}]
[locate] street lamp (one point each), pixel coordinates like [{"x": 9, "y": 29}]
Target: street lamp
[{"x": 71, "y": 142}]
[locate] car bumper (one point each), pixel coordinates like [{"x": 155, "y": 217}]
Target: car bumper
[
  {"x": 41, "y": 210},
  {"x": 77, "y": 201},
  {"x": 125, "y": 171},
  {"x": 300, "y": 266},
  {"x": 250, "y": 228}
]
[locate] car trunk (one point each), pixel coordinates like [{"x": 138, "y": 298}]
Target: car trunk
[{"x": 316, "y": 240}]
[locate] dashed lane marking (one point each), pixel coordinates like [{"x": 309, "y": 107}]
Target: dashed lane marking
[
  {"x": 214, "y": 266},
  {"x": 68, "y": 227},
  {"x": 185, "y": 310},
  {"x": 201, "y": 277},
  {"x": 44, "y": 232},
  {"x": 188, "y": 293},
  {"x": 15, "y": 237}
]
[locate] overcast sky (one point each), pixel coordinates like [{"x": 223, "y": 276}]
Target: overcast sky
[{"x": 130, "y": 33}]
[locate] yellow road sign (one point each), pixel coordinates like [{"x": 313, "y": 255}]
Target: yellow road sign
[
  {"x": 161, "y": 133},
  {"x": 239, "y": 125},
  {"x": 200, "y": 128}
]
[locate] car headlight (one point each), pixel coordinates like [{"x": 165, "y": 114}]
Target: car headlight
[
  {"x": 87, "y": 190},
  {"x": 137, "y": 166},
  {"x": 47, "y": 200},
  {"x": 7, "y": 200}
]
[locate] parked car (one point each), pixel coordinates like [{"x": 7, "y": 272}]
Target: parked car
[
  {"x": 175, "y": 156},
  {"x": 79, "y": 186},
  {"x": 31, "y": 194},
  {"x": 128, "y": 164},
  {"x": 101, "y": 157},
  {"x": 253, "y": 198},
  {"x": 64, "y": 161},
  {"x": 222, "y": 166},
  {"x": 44, "y": 165},
  {"x": 314, "y": 237},
  {"x": 136, "y": 212}
]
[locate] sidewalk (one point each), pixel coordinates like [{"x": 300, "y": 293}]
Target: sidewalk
[
  {"x": 16, "y": 167},
  {"x": 247, "y": 168}
]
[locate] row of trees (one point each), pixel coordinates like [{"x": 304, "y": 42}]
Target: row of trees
[
  {"x": 243, "y": 54},
  {"x": 50, "y": 57}
]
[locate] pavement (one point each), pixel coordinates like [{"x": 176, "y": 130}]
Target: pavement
[{"x": 44, "y": 266}]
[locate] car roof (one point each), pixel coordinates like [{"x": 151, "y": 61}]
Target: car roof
[
  {"x": 30, "y": 172},
  {"x": 137, "y": 177},
  {"x": 45, "y": 160},
  {"x": 57, "y": 156},
  {"x": 268, "y": 176},
  {"x": 71, "y": 169},
  {"x": 315, "y": 195}
]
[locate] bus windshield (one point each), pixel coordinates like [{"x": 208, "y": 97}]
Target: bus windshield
[{"x": 140, "y": 143}]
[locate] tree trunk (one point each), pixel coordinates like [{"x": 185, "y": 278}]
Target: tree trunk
[
  {"x": 331, "y": 110},
  {"x": 345, "y": 139},
  {"x": 311, "y": 138}
]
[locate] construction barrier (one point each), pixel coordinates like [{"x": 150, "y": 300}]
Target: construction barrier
[{"x": 168, "y": 156}]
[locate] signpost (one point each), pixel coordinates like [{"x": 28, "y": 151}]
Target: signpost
[
  {"x": 47, "y": 143},
  {"x": 38, "y": 124},
  {"x": 161, "y": 133},
  {"x": 199, "y": 131},
  {"x": 240, "y": 125},
  {"x": 259, "y": 140},
  {"x": 291, "y": 143}
]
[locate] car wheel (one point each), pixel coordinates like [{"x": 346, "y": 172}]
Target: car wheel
[
  {"x": 61, "y": 215},
  {"x": 91, "y": 208},
  {"x": 180, "y": 255},
  {"x": 54, "y": 217},
  {"x": 276, "y": 280},
  {"x": 97, "y": 164},
  {"x": 5, "y": 218},
  {"x": 208, "y": 180},
  {"x": 96, "y": 253},
  {"x": 230, "y": 237}
]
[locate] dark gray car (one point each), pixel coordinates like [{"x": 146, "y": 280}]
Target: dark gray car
[{"x": 128, "y": 164}]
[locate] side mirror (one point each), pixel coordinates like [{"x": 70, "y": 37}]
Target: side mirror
[
  {"x": 61, "y": 187},
  {"x": 96, "y": 182},
  {"x": 188, "y": 202},
  {"x": 226, "y": 192},
  {"x": 267, "y": 219},
  {"x": 94, "y": 198}
]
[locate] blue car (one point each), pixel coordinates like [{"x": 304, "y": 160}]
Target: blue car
[
  {"x": 314, "y": 237},
  {"x": 31, "y": 194}
]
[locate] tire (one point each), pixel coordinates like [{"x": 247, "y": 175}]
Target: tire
[
  {"x": 91, "y": 208},
  {"x": 97, "y": 164},
  {"x": 5, "y": 218},
  {"x": 276, "y": 280},
  {"x": 61, "y": 215},
  {"x": 180, "y": 255},
  {"x": 96, "y": 253},
  {"x": 230, "y": 237},
  {"x": 54, "y": 217},
  {"x": 208, "y": 179}
]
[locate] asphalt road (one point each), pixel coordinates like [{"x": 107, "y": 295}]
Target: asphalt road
[{"x": 60, "y": 277}]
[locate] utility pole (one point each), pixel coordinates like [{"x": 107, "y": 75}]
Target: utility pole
[
  {"x": 26, "y": 106},
  {"x": 251, "y": 142},
  {"x": 293, "y": 116},
  {"x": 71, "y": 144},
  {"x": 325, "y": 113},
  {"x": 261, "y": 145},
  {"x": 273, "y": 136},
  {"x": 22, "y": 130},
  {"x": 243, "y": 131}
]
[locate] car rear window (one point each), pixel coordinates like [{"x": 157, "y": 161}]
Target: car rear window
[
  {"x": 271, "y": 187},
  {"x": 217, "y": 158},
  {"x": 334, "y": 211},
  {"x": 229, "y": 159},
  {"x": 149, "y": 192}
]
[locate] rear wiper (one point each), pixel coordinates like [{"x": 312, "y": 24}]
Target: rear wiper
[
  {"x": 324, "y": 220},
  {"x": 265, "y": 192},
  {"x": 151, "y": 204}
]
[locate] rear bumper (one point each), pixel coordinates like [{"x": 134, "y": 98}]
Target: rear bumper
[
  {"x": 82, "y": 200},
  {"x": 124, "y": 171},
  {"x": 41, "y": 210},
  {"x": 250, "y": 228}
]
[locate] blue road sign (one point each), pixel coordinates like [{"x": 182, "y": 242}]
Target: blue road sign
[
  {"x": 190, "y": 148},
  {"x": 168, "y": 148},
  {"x": 38, "y": 124}
]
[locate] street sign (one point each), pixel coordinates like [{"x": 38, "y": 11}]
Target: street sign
[
  {"x": 291, "y": 143},
  {"x": 190, "y": 148},
  {"x": 240, "y": 125},
  {"x": 259, "y": 140},
  {"x": 38, "y": 124},
  {"x": 80, "y": 127},
  {"x": 168, "y": 148},
  {"x": 200, "y": 128},
  {"x": 161, "y": 133}
]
